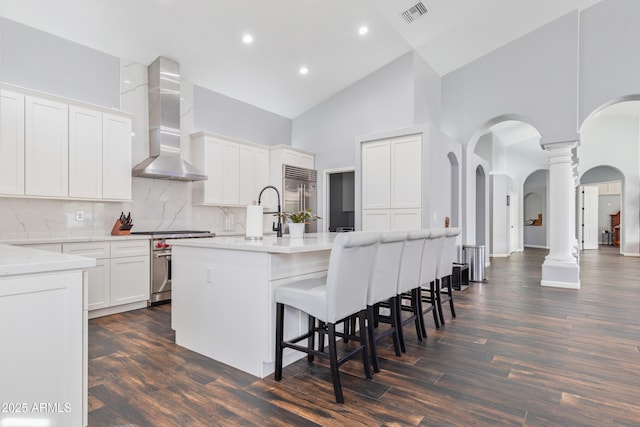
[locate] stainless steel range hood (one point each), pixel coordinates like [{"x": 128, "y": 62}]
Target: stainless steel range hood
[{"x": 165, "y": 160}]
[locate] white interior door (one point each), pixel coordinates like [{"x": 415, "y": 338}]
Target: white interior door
[{"x": 589, "y": 213}]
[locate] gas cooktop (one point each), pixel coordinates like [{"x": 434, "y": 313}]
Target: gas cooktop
[{"x": 166, "y": 234}]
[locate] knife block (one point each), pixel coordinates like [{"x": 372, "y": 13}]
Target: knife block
[{"x": 117, "y": 229}]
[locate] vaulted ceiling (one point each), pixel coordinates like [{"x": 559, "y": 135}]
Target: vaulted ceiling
[{"x": 205, "y": 36}]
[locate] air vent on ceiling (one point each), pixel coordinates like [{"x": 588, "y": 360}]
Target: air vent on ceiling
[{"x": 414, "y": 12}]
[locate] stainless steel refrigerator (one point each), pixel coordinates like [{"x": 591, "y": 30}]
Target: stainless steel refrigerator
[{"x": 299, "y": 192}]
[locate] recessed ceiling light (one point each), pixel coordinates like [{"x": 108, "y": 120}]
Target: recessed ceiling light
[
  {"x": 303, "y": 70},
  {"x": 247, "y": 39},
  {"x": 363, "y": 30}
]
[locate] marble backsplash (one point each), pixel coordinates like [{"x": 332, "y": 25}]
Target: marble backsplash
[{"x": 157, "y": 204}]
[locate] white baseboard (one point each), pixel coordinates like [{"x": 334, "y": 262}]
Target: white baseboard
[
  {"x": 630, "y": 254},
  {"x": 499, "y": 255},
  {"x": 536, "y": 246}
]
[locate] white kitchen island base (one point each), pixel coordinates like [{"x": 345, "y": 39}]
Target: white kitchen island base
[{"x": 222, "y": 295}]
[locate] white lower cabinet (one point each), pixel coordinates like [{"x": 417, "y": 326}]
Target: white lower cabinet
[
  {"x": 43, "y": 367},
  {"x": 121, "y": 275},
  {"x": 129, "y": 280}
]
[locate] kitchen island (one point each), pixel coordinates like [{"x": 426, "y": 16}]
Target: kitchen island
[
  {"x": 43, "y": 323},
  {"x": 223, "y": 287}
]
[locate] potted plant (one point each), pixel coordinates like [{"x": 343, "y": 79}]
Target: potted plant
[{"x": 297, "y": 220}]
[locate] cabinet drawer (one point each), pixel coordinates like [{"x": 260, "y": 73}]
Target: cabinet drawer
[
  {"x": 51, "y": 247},
  {"x": 98, "y": 250},
  {"x": 129, "y": 248}
]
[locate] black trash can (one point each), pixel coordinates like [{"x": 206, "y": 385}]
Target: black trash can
[{"x": 474, "y": 256}]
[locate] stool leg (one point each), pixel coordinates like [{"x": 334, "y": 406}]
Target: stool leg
[
  {"x": 398, "y": 303},
  {"x": 434, "y": 302},
  {"x": 439, "y": 300},
  {"x": 321, "y": 337},
  {"x": 394, "y": 324},
  {"x": 372, "y": 339},
  {"x": 311, "y": 340},
  {"x": 279, "y": 336},
  {"x": 333, "y": 361},
  {"x": 450, "y": 292},
  {"x": 422, "y": 325},
  {"x": 365, "y": 344},
  {"x": 417, "y": 312}
]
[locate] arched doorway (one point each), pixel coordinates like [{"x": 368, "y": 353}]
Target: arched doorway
[
  {"x": 481, "y": 206},
  {"x": 536, "y": 214},
  {"x": 610, "y": 137},
  {"x": 455, "y": 189}
]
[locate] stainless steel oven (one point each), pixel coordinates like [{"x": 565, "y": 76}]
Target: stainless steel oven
[{"x": 160, "y": 287}]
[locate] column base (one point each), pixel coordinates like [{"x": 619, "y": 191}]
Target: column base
[{"x": 558, "y": 274}]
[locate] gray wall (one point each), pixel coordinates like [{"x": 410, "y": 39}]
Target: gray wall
[
  {"x": 609, "y": 60},
  {"x": 217, "y": 113},
  {"x": 37, "y": 60},
  {"x": 535, "y": 76}
]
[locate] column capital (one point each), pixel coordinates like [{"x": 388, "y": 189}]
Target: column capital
[{"x": 560, "y": 142}]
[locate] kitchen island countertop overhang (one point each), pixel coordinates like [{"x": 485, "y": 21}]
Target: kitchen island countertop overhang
[{"x": 222, "y": 302}]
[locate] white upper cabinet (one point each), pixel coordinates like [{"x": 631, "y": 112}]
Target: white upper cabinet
[
  {"x": 51, "y": 147},
  {"x": 116, "y": 157},
  {"x": 46, "y": 147},
  {"x": 85, "y": 152},
  {"x": 230, "y": 173},
  {"x": 254, "y": 173},
  {"x": 236, "y": 170},
  {"x": 392, "y": 184},
  {"x": 11, "y": 143}
]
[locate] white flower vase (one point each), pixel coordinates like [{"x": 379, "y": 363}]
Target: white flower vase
[{"x": 296, "y": 230}]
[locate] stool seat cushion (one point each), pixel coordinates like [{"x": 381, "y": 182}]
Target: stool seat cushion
[{"x": 309, "y": 295}]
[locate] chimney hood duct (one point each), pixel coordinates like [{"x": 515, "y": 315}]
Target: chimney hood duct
[{"x": 165, "y": 160}]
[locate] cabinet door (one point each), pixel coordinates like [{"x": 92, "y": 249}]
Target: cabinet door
[
  {"x": 46, "y": 147},
  {"x": 261, "y": 178},
  {"x": 99, "y": 285},
  {"x": 406, "y": 219},
  {"x": 296, "y": 158},
  {"x": 116, "y": 155},
  {"x": 230, "y": 173},
  {"x": 376, "y": 175},
  {"x": 247, "y": 175},
  {"x": 85, "y": 153},
  {"x": 211, "y": 189},
  {"x": 406, "y": 172},
  {"x": 376, "y": 220},
  {"x": 129, "y": 279},
  {"x": 11, "y": 143},
  {"x": 254, "y": 173}
]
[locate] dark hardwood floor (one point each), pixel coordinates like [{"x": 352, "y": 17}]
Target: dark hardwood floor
[{"x": 517, "y": 354}]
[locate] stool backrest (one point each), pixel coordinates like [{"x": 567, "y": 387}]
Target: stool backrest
[
  {"x": 350, "y": 265},
  {"x": 409, "y": 277},
  {"x": 431, "y": 256},
  {"x": 386, "y": 267},
  {"x": 448, "y": 257}
]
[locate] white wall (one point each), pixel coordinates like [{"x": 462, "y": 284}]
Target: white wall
[
  {"x": 535, "y": 76},
  {"x": 609, "y": 61},
  {"x": 37, "y": 60}
]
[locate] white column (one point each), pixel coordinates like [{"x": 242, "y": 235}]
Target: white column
[{"x": 560, "y": 267}]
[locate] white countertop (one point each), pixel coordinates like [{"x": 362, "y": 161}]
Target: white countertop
[
  {"x": 15, "y": 260},
  {"x": 271, "y": 244},
  {"x": 43, "y": 238}
]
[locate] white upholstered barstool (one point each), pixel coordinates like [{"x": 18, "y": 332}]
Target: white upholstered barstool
[
  {"x": 444, "y": 271},
  {"x": 330, "y": 300},
  {"x": 409, "y": 283},
  {"x": 428, "y": 266},
  {"x": 383, "y": 287}
]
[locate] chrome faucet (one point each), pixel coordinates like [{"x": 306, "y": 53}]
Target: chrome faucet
[{"x": 278, "y": 228}]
